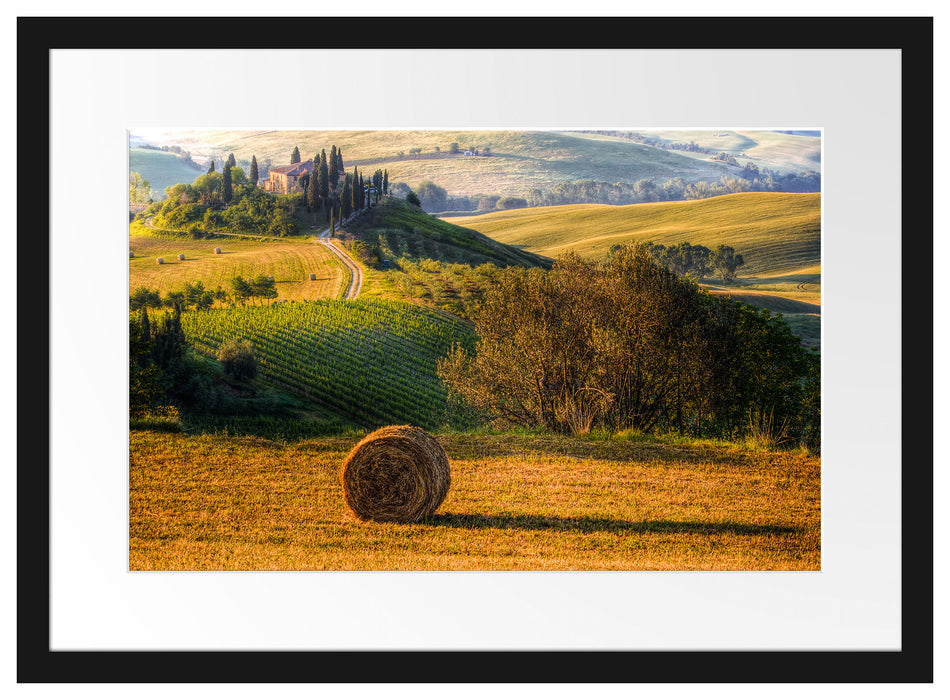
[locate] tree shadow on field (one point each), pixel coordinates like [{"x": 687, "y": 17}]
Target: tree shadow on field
[{"x": 584, "y": 524}]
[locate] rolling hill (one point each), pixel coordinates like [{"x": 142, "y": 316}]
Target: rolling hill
[
  {"x": 161, "y": 169},
  {"x": 777, "y": 233},
  {"x": 519, "y": 161}
]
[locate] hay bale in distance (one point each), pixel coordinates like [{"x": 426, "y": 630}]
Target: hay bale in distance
[
  {"x": 161, "y": 261},
  {"x": 181, "y": 256},
  {"x": 313, "y": 276},
  {"x": 131, "y": 254},
  {"x": 399, "y": 473},
  {"x": 217, "y": 251}
]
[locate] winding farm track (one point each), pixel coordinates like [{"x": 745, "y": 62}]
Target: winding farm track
[{"x": 356, "y": 276}]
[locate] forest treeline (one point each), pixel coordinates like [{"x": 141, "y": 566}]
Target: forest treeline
[{"x": 627, "y": 344}]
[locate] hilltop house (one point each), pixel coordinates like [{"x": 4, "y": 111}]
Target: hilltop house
[{"x": 283, "y": 180}]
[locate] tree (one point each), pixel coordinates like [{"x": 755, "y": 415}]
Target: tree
[
  {"x": 313, "y": 187},
  {"x": 253, "y": 176},
  {"x": 323, "y": 181},
  {"x": 226, "y": 187},
  {"x": 385, "y": 182},
  {"x": 333, "y": 174},
  {"x": 431, "y": 197},
  {"x": 231, "y": 161},
  {"x": 295, "y": 156},
  {"x": 140, "y": 190},
  {"x": 211, "y": 167},
  {"x": 725, "y": 260},
  {"x": 346, "y": 199},
  {"x": 412, "y": 198},
  {"x": 238, "y": 359},
  {"x": 339, "y": 163},
  {"x": 209, "y": 187}
]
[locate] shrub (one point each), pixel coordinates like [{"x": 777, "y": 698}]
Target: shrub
[{"x": 238, "y": 359}]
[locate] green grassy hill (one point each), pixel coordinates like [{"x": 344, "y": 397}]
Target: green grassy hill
[
  {"x": 161, "y": 169},
  {"x": 776, "y": 233},
  {"x": 404, "y": 230},
  {"x": 519, "y": 162}
]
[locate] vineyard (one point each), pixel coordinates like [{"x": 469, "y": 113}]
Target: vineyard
[{"x": 372, "y": 361}]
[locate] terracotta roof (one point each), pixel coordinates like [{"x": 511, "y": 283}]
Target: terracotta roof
[{"x": 295, "y": 168}]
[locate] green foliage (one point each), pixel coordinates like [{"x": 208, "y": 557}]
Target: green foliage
[
  {"x": 726, "y": 261},
  {"x": 413, "y": 198},
  {"x": 628, "y": 345},
  {"x": 237, "y": 357},
  {"x": 512, "y": 203},
  {"x": 253, "y": 175},
  {"x": 295, "y": 156}
]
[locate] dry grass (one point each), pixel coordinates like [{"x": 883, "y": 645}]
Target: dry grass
[
  {"x": 776, "y": 233},
  {"x": 290, "y": 263},
  {"x": 516, "y": 503}
]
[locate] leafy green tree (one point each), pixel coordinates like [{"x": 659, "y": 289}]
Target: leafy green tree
[
  {"x": 413, "y": 198},
  {"x": 211, "y": 167},
  {"x": 231, "y": 161},
  {"x": 238, "y": 359},
  {"x": 295, "y": 156},
  {"x": 140, "y": 190},
  {"x": 431, "y": 197},
  {"x": 253, "y": 175},
  {"x": 726, "y": 261},
  {"x": 142, "y": 298},
  {"x": 209, "y": 187}
]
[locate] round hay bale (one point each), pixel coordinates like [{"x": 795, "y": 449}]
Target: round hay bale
[
  {"x": 217, "y": 251},
  {"x": 399, "y": 473},
  {"x": 181, "y": 256},
  {"x": 313, "y": 276},
  {"x": 131, "y": 254},
  {"x": 161, "y": 261}
]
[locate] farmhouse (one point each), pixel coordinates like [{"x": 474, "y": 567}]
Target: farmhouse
[{"x": 284, "y": 180}]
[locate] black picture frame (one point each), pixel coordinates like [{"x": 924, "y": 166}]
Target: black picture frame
[{"x": 37, "y": 663}]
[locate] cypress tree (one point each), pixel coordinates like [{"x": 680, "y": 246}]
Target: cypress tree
[
  {"x": 252, "y": 176},
  {"x": 211, "y": 169},
  {"x": 339, "y": 162},
  {"x": 331, "y": 168},
  {"x": 355, "y": 192},
  {"x": 324, "y": 179},
  {"x": 313, "y": 198},
  {"x": 146, "y": 334},
  {"x": 228, "y": 190},
  {"x": 346, "y": 199},
  {"x": 231, "y": 161},
  {"x": 295, "y": 156},
  {"x": 385, "y": 182}
]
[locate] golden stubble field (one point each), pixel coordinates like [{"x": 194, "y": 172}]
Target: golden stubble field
[
  {"x": 516, "y": 503},
  {"x": 290, "y": 262}
]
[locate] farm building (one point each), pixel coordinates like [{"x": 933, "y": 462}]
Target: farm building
[{"x": 284, "y": 180}]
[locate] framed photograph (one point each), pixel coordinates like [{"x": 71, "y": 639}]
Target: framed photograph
[{"x": 111, "y": 606}]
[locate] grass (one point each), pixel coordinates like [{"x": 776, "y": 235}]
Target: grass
[
  {"x": 517, "y": 502},
  {"x": 520, "y": 160},
  {"x": 775, "y": 232},
  {"x": 161, "y": 169},
  {"x": 289, "y": 261}
]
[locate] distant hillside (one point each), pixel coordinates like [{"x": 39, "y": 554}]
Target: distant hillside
[
  {"x": 510, "y": 163},
  {"x": 161, "y": 169},
  {"x": 775, "y": 232}
]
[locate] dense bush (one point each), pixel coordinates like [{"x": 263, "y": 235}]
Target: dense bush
[{"x": 628, "y": 344}]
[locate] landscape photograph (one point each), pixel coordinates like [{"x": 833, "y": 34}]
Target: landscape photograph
[{"x": 475, "y": 350}]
